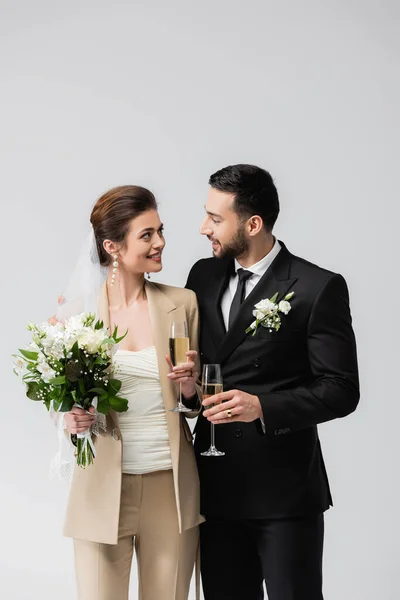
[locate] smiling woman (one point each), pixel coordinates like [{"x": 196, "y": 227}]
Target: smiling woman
[
  {"x": 142, "y": 494},
  {"x": 113, "y": 215}
]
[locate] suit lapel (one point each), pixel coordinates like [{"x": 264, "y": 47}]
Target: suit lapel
[
  {"x": 275, "y": 279},
  {"x": 161, "y": 309}
]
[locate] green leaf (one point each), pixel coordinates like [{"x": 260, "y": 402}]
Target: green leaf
[
  {"x": 29, "y": 355},
  {"x": 97, "y": 390},
  {"x": 81, "y": 385},
  {"x": 119, "y": 339},
  {"x": 103, "y": 406},
  {"x": 75, "y": 350},
  {"x": 99, "y": 325},
  {"x": 67, "y": 404},
  {"x": 73, "y": 371},
  {"x": 289, "y": 296},
  {"x": 114, "y": 385},
  {"x": 119, "y": 404},
  {"x": 60, "y": 380},
  {"x": 32, "y": 391},
  {"x": 274, "y": 297},
  {"x": 101, "y": 361},
  {"x": 56, "y": 405}
]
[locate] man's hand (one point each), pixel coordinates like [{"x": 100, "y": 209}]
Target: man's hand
[{"x": 242, "y": 406}]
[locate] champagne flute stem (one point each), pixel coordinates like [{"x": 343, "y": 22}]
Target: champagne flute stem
[
  {"x": 180, "y": 394},
  {"x": 212, "y": 435}
]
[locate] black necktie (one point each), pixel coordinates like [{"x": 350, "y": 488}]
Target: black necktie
[{"x": 239, "y": 295}]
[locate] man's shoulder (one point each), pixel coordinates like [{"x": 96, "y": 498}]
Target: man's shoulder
[
  {"x": 210, "y": 265},
  {"x": 304, "y": 267},
  {"x": 315, "y": 276}
]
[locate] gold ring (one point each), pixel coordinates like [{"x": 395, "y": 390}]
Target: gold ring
[{"x": 229, "y": 412}]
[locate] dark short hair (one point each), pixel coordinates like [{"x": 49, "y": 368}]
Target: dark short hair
[
  {"x": 254, "y": 190},
  {"x": 113, "y": 212}
]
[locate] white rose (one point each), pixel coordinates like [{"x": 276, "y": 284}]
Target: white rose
[
  {"x": 91, "y": 340},
  {"x": 264, "y": 308},
  {"x": 284, "y": 307}
]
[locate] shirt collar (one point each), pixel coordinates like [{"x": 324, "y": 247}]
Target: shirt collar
[{"x": 262, "y": 265}]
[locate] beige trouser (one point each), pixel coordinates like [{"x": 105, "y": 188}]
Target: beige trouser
[{"x": 148, "y": 521}]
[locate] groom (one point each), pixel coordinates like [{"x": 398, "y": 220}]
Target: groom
[{"x": 264, "y": 500}]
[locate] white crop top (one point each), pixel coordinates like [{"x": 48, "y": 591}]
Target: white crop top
[{"x": 143, "y": 426}]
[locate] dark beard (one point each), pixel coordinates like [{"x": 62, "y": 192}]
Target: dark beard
[{"x": 238, "y": 246}]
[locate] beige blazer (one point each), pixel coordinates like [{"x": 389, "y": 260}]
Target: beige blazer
[{"x": 94, "y": 500}]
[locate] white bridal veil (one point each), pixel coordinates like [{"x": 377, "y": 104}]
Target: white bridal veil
[{"x": 81, "y": 295}]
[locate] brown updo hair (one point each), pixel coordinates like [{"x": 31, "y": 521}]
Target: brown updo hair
[{"x": 113, "y": 213}]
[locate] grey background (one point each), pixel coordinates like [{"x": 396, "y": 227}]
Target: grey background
[{"x": 96, "y": 94}]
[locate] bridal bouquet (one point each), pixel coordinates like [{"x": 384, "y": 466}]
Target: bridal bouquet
[{"x": 69, "y": 364}]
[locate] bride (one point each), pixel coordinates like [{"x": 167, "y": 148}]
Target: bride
[{"x": 142, "y": 491}]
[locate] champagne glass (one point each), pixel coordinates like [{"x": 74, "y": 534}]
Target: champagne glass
[
  {"x": 178, "y": 346},
  {"x": 212, "y": 384}
]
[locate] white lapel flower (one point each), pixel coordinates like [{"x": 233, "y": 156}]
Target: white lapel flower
[
  {"x": 264, "y": 308},
  {"x": 284, "y": 307},
  {"x": 267, "y": 313}
]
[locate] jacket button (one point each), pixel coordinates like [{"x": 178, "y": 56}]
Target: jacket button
[
  {"x": 238, "y": 433},
  {"x": 256, "y": 362}
]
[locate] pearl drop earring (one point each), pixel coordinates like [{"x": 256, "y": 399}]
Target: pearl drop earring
[{"x": 115, "y": 267}]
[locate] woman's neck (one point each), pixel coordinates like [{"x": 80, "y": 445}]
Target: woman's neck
[{"x": 128, "y": 289}]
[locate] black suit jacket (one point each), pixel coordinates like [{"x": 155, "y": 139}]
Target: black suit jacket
[{"x": 304, "y": 374}]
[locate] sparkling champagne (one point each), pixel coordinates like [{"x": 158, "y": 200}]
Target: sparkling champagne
[
  {"x": 178, "y": 347},
  {"x": 210, "y": 389}
]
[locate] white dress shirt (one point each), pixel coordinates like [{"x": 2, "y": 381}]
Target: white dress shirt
[{"x": 258, "y": 271}]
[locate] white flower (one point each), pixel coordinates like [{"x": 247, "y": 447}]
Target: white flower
[
  {"x": 76, "y": 323},
  {"x": 20, "y": 367},
  {"x": 264, "y": 308},
  {"x": 46, "y": 371},
  {"x": 267, "y": 312},
  {"x": 284, "y": 307},
  {"x": 92, "y": 340}
]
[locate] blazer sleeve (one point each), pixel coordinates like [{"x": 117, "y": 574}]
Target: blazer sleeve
[{"x": 334, "y": 389}]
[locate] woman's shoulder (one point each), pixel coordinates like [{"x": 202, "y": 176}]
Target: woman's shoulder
[{"x": 178, "y": 295}]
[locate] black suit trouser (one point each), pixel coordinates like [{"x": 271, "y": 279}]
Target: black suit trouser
[{"x": 238, "y": 556}]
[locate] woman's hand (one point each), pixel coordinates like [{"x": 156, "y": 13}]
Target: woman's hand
[
  {"x": 184, "y": 374},
  {"x": 78, "y": 420}
]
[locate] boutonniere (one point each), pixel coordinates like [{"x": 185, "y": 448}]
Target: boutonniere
[{"x": 268, "y": 313}]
